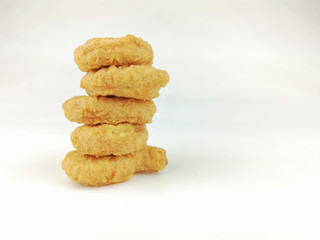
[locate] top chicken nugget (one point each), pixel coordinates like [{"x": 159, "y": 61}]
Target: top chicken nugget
[{"x": 101, "y": 52}]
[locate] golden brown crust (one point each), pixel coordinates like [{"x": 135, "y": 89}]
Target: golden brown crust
[
  {"x": 92, "y": 171},
  {"x": 140, "y": 82},
  {"x": 100, "y": 52},
  {"x": 102, "y": 140},
  {"x": 111, "y": 110}
]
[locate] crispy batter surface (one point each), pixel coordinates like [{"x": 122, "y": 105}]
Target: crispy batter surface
[
  {"x": 102, "y": 140},
  {"x": 140, "y": 82},
  {"x": 92, "y": 171},
  {"x": 111, "y": 110},
  {"x": 100, "y": 52}
]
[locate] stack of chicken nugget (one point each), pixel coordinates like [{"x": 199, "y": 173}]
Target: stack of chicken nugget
[{"x": 120, "y": 83}]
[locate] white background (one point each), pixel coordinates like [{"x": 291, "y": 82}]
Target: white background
[{"x": 240, "y": 120}]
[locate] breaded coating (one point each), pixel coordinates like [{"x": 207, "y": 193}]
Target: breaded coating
[
  {"x": 111, "y": 110},
  {"x": 102, "y": 140},
  {"x": 140, "y": 82},
  {"x": 92, "y": 171},
  {"x": 101, "y": 52}
]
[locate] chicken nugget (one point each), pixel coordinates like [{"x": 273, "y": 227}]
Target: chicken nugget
[
  {"x": 111, "y": 110},
  {"x": 100, "y": 52},
  {"x": 92, "y": 171},
  {"x": 140, "y": 82},
  {"x": 102, "y": 140}
]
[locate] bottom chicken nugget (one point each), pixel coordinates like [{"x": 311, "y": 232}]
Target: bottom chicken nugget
[{"x": 91, "y": 171}]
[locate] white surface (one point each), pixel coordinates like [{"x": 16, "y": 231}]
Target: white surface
[{"x": 240, "y": 121}]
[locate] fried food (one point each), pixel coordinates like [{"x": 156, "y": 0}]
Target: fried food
[
  {"x": 102, "y": 140},
  {"x": 140, "y": 82},
  {"x": 101, "y": 52},
  {"x": 92, "y": 171},
  {"x": 111, "y": 110}
]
